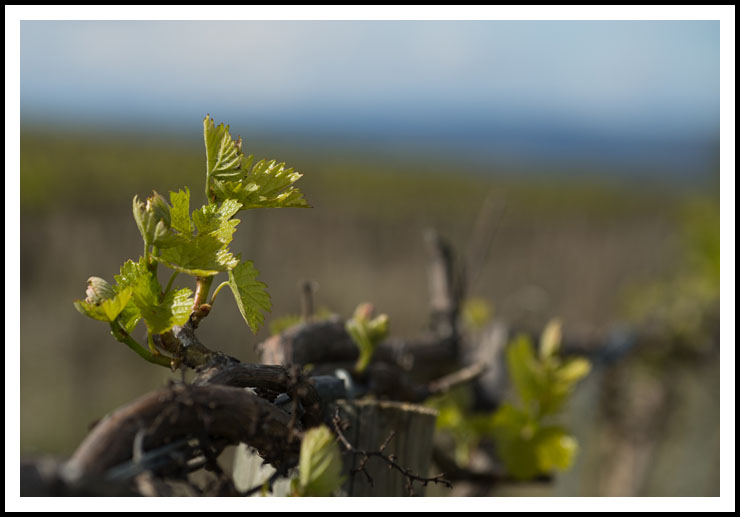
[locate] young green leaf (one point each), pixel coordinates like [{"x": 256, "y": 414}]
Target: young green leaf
[
  {"x": 224, "y": 155},
  {"x": 366, "y": 333},
  {"x": 529, "y": 449},
  {"x": 153, "y": 220},
  {"x": 514, "y": 432},
  {"x": 320, "y": 464},
  {"x": 573, "y": 370},
  {"x": 129, "y": 317},
  {"x": 561, "y": 382},
  {"x": 103, "y": 302},
  {"x": 159, "y": 313},
  {"x": 204, "y": 253},
  {"x": 525, "y": 370},
  {"x": 180, "y": 211},
  {"x": 251, "y": 295},
  {"x": 476, "y": 312},
  {"x": 268, "y": 185},
  {"x": 550, "y": 339},
  {"x": 174, "y": 309},
  {"x": 555, "y": 449}
]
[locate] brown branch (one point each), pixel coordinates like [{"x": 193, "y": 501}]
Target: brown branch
[
  {"x": 433, "y": 353},
  {"x": 327, "y": 341},
  {"x": 279, "y": 379},
  {"x": 445, "y": 284},
  {"x": 226, "y": 413},
  {"x": 307, "y": 289},
  {"x": 465, "y": 375}
]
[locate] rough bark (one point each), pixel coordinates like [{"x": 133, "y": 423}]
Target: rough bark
[{"x": 221, "y": 412}]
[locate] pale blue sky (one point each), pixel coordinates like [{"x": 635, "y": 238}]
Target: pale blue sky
[{"x": 650, "y": 79}]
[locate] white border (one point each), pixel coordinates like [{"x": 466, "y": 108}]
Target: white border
[
  {"x": 371, "y": 12},
  {"x": 726, "y": 16}
]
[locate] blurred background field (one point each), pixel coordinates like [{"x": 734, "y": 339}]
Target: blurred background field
[{"x": 615, "y": 228}]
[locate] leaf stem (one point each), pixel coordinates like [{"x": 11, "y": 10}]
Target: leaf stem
[
  {"x": 217, "y": 290},
  {"x": 150, "y": 342},
  {"x": 124, "y": 337},
  {"x": 208, "y": 186},
  {"x": 169, "y": 283},
  {"x": 202, "y": 287}
]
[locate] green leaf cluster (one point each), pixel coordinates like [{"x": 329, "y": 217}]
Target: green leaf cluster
[
  {"x": 528, "y": 443},
  {"x": 320, "y": 464},
  {"x": 137, "y": 295},
  {"x": 456, "y": 421},
  {"x": 527, "y": 436},
  {"x": 196, "y": 244},
  {"x": 366, "y": 333},
  {"x": 232, "y": 175},
  {"x": 159, "y": 310},
  {"x": 199, "y": 246},
  {"x": 529, "y": 448},
  {"x": 681, "y": 305},
  {"x": 103, "y": 301}
]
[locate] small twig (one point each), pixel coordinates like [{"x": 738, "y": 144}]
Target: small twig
[
  {"x": 171, "y": 280},
  {"x": 389, "y": 459},
  {"x": 462, "y": 376},
  {"x": 308, "y": 287},
  {"x": 485, "y": 229}
]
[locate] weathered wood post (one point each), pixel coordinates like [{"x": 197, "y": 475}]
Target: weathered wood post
[{"x": 371, "y": 423}]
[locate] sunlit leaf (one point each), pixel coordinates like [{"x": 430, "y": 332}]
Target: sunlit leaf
[
  {"x": 320, "y": 464},
  {"x": 525, "y": 370},
  {"x": 204, "y": 253},
  {"x": 573, "y": 370},
  {"x": 153, "y": 219},
  {"x": 159, "y": 313},
  {"x": 180, "y": 211},
  {"x": 514, "y": 432},
  {"x": 224, "y": 155},
  {"x": 174, "y": 309},
  {"x": 555, "y": 449},
  {"x": 550, "y": 339},
  {"x": 268, "y": 185},
  {"x": 231, "y": 175},
  {"x": 476, "y": 312},
  {"x": 103, "y": 302},
  {"x": 251, "y": 295},
  {"x": 366, "y": 333}
]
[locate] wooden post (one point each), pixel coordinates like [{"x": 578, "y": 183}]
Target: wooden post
[{"x": 371, "y": 422}]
